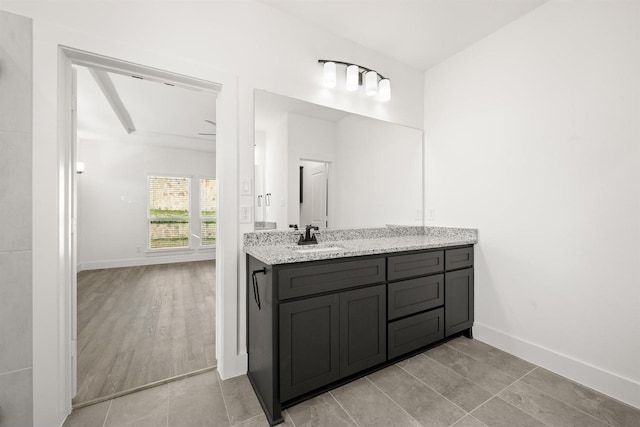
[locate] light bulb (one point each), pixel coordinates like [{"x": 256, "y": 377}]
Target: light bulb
[
  {"x": 371, "y": 83},
  {"x": 329, "y": 74},
  {"x": 352, "y": 78},
  {"x": 384, "y": 90}
]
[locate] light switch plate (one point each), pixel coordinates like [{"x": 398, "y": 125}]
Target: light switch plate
[
  {"x": 245, "y": 187},
  {"x": 245, "y": 215}
]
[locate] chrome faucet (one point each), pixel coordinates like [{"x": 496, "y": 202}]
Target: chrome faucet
[{"x": 307, "y": 238}]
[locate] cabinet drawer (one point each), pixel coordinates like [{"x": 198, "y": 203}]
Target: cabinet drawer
[
  {"x": 459, "y": 258},
  {"x": 415, "y": 295},
  {"x": 412, "y": 265},
  {"x": 313, "y": 279},
  {"x": 414, "y": 332}
]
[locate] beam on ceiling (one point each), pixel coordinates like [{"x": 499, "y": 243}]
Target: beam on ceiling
[{"x": 110, "y": 92}]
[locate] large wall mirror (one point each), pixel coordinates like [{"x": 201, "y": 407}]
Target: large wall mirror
[{"x": 330, "y": 168}]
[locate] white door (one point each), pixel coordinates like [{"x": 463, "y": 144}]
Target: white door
[{"x": 319, "y": 195}]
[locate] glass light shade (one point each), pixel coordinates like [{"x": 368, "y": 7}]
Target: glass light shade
[
  {"x": 384, "y": 90},
  {"x": 329, "y": 79},
  {"x": 352, "y": 78},
  {"x": 371, "y": 83}
]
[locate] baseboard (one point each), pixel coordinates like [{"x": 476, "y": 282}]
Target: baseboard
[
  {"x": 614, "y": 385},
  {"x": 234, "y": 366},
  {"x": 156, "y": 259}
]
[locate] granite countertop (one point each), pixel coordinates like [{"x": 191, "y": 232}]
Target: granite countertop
[{"x": 280, "y": 248}]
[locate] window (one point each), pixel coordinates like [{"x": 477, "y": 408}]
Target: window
[
  {"x": 169, "y": 212},
  {"x": 208, "y": 211}
]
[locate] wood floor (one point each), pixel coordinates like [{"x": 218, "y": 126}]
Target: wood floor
[{"x": 139, "y": 325}]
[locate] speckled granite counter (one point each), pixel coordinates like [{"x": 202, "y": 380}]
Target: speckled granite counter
[{"x": 279, "y": 247}]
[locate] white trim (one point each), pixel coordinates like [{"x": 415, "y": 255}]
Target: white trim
[
  {"x": 52, "y": 367},
  {"x": 609, "y": 383},
  {"x": 153, "y": 260}
]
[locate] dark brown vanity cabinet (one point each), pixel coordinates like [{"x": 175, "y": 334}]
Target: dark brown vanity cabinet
[
  {"x": 325, "y": 338},
  {"x": 314, "y": 325}
]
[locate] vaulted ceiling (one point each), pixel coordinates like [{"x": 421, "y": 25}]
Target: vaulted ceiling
[
  {"x": 161, "y": 114},
  {"x": 419, "y": 33}
]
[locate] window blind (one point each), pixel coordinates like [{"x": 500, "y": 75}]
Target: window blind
[
  {"x": 208, "y": 211},
  {"x": 169, "y": 212}
]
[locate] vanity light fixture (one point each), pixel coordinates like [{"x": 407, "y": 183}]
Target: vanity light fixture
[
  {"x": 371, "y": 83},
  {"x": 330, "y": 74},
  {"x": 356, "y": 75},
  {"x": 353, "y": 78}
]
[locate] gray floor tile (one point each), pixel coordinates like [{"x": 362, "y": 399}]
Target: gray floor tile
[
  {"x": 322, "y": 410},
  {"x": 451, "y": 385},
  {"x": 590, "y": 401},
  {"x": 505, "y": 362},
  {"x": 483, "y": 375},
  {"x": 197, "y": 402},
  {"x": 469, "y": 421},
  {"x": 242, "y": 403},
  {"x": 146, "y": 408},
  {"x": 89, "y": 416},
  {"x": 498, "y": 413},
  {"x": 261, "y": 421},
  {"x": 368, "y": 406},
  {"x": 424, "y": 404},
  {"x": 545, "y": 408}
]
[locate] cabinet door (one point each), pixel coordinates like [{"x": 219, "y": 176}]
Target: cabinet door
[
  {"x": 309, "y": 345},
  {"x": 363, "y": 329},
  {"x": 458, "y": 301}
]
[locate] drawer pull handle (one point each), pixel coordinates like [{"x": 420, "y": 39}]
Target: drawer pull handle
[{"x": 256, "y": 293}]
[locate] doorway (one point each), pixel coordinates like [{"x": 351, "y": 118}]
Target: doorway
[
  {"x": 177, "y": 249},
  {"x": 314, "y": 193}
]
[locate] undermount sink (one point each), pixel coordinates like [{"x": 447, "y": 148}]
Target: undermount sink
[{"x": 308, "y": 250}]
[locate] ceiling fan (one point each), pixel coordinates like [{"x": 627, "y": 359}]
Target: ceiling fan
[{"x": 208, "y": 134}]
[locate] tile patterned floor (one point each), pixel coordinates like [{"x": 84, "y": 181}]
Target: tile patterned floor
[{"x": 463, "y": 383}]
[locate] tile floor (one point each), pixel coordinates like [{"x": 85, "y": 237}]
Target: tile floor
[{"x": 463, "y": 383}]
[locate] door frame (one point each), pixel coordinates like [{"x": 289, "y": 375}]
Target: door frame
[{"x": 229, "y": 364}]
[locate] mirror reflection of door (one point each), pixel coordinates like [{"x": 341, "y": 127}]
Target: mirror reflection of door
[{"x": 314, "y": 193}]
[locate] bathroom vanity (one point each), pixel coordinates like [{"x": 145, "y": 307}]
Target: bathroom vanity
[{"x": 359, "y": 301}]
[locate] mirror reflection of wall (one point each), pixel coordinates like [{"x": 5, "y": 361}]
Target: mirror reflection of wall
[{"x": 351, "y": 171}]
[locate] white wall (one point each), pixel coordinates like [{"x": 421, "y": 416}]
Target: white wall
[
  {"x": 275, "y": 176},
  {"x": 258, "y": 176},
  {"x": 532, "y": 136},
  {"x": 380, "y": 171},
  {"x": 243, "y": 45},
  {"x": 113, "y": 196},
  {"x": 309, "y": 139}
]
